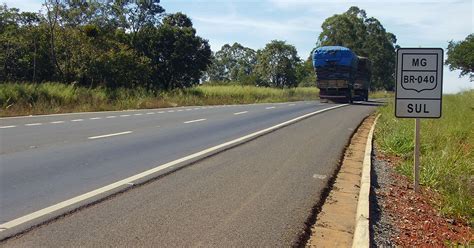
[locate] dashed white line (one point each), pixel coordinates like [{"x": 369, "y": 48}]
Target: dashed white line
[
  {"x": 34, "y": 124},
  {"x": 188, "y": 109},
  {"x": 76, "y": 120},
  {"x": 124, "y": 115},
  {"x": 161, "y": 112},
  {"x": 150, "y": 113},
  {"x": 95, "y": 118},
  {"x": 170, "y": 111},
  {"x": 196, "y": 108},
  {"x": 319, "y": 176},
  {"x": 198, "y": 120},
  {"x": 57, "y": 122},
  {"x": 239, "y": 113},
  {"x": 269, "y": 107},
  {"x": 110, "y": 117},
  {"x": 180, "y": 110},
  {"x": 7, "y": 126},
  {"x": 138, "y": 114},
  {"x": 109, "y": 135}
]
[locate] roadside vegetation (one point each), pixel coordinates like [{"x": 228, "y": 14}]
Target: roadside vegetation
[
  {"x": 49, "y": 98},
  {"x": 108, "y": 55},
  {"x": 447, "y": 151},
  {"x": 381, "y": 94}
]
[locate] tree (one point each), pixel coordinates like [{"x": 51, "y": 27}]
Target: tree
[
  {"x": 24, "y": 52},
  {"x": 366, "y": 37},
  {"x": 102, "y": 43},
  {"x": 178, "y": 20},
  {"x": 461, "y": 55},
  {"x": 141, "y": 13},
  {"x": 233, "y": 63},
  {"x": 178, "y": 56},
  {"x": 276, "y": 65},
  {"x": 305, "y": 75},
  {"x": 53, "y": 9}
]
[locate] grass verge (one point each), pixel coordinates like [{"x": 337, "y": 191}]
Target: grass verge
[
  {"x": 381, "y": 94},
  {"x": 49, "y": 98},
  {"x": 447, "y": 145}
]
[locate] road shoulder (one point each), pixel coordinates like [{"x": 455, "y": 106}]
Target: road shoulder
[{"x": 335, "y": 223}]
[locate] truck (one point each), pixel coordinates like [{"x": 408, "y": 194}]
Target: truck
[{"x": 341, "y": 74}]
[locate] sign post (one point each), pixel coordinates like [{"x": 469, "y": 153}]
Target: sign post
[{"x": 419, "y": 90}]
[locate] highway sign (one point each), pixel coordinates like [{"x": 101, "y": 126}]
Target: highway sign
[{"x": 419, "y": 84}]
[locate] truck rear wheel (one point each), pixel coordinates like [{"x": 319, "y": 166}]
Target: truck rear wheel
[{"x": 349, "y": 97}]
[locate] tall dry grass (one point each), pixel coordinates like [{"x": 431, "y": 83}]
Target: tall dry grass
[{"x": 48, "y": 98}]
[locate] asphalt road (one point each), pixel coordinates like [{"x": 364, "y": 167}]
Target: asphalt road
[{"x": 259, "y": 193}]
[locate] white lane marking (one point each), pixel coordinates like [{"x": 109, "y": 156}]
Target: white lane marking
[
  {"x": 33, "y": 124},
  {"x": 291, "y": 104},
  {"x": 7, "y": 126},
  {"x": 269, "y": 107},
  {"x": 161, "y": 112},
  {"x": 76, "y": 120},
  {"x": 150, "y": 113},
  {"x": 93, "y": 193},
  {"x": 110, "y": 135},
  {"x": 138, "y": 114},
  {"x": 57, "y": 122},
  {"x": 319, "y": 176},
  {"x": 239, "y": 113},
  {"x": 188, "y": 109},
  {"x": 170, "y": 111},
  {"x": 110, "y": 117},
  {"x": 124, "y": 115},
  {"x": 196, "y": 108},
  {"x": 180, "y": 110},
  {"x": 198, "y": 120},
  {"x": 95, "y": 118}
]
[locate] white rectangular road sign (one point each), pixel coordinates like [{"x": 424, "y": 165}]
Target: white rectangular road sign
[{"x": 419, "y": 86}]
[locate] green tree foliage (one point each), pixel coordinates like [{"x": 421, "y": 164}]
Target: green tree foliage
[
  {"x": 461, "y": 55},
  {"x": 178, "y": 56},
  {"x": 305, "y": 75},
  {"x": 24, "y": 46},
  {"x": 366, "y": 37},
  {"x": 101, "y": 43},
  {"x": 276, "y": 65},
  {"x": 233, "y": 63}
]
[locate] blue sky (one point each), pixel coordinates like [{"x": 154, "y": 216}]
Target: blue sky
[{"x": 422, "y": 23}]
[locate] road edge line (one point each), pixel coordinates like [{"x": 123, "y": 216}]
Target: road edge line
[
  {"x": 362, "y": 233},
  {"x": 26, "y": 222}
]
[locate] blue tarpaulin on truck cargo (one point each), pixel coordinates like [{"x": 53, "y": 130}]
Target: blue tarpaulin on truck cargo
[{"x": 334, "y": 56}]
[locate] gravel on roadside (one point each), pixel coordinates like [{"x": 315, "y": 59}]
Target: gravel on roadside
[
  {"x": 399, "y": 217},
  {"x": 381, "y": 228}
]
